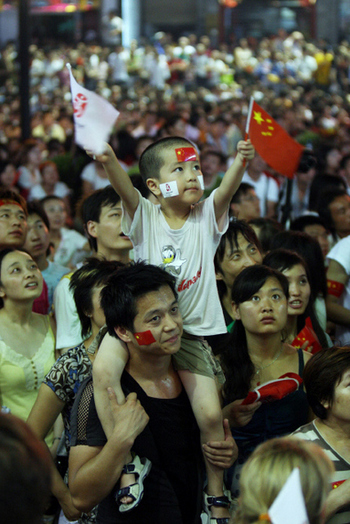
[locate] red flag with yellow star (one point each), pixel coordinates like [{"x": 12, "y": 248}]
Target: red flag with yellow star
[{"x": 279, "y": 150}]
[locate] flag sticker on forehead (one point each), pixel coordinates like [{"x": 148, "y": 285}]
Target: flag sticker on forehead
[
  {"x": 94, "y": 117},
  {"x": 186, "y": 154}
]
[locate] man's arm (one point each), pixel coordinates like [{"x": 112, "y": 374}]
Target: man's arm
[
  {"x": 120, "y": 180},
  {"x": 232, "y": 178},
  {"x": 335, "y": 312},
  {"x": 222, "y": 453},
  {"x": 94, "y": 470}
]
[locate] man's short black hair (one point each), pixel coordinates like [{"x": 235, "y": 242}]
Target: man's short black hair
[
  {"x": 90, "y": 208},
  {"x": 124, "y": 288},
  {"x": 241, "y": 191},
  {"x": 151, "y": 160},
  {"x": 300, "y": 223},
  {"x": 35, "y": 208}
]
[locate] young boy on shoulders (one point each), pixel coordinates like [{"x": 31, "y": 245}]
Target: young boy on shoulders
[{"x": 180, "y": 235}]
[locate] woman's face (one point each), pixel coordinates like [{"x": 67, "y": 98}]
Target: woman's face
[
  {"x": 50, "y": 174},
  {"x": 56, "y": 213},
  {"x": 243, "y": 255},
  {"x": 21, "y": 278},
  {"x": 299, "y": 289},
  {"x": 34, "y": 156},
  {"x": 265, "y": 312},
  {"x": 339, "y": 408}
]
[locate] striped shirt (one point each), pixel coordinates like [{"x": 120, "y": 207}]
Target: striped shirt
[{"x": 342, "y": 466}]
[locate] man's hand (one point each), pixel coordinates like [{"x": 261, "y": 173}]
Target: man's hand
[
  {"x": 239, "y": 415},
  {"x": 222, "y": 453},
  {"x": 130, "y": 419},
  {"x": 245, "y": 150},
  {"x": 68, "y": 508}
]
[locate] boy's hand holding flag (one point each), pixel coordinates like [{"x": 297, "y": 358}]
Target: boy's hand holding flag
[{"x": 94, "y": 117}]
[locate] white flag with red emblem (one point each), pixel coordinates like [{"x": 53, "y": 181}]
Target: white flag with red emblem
[{"x": 94, "y": 117}]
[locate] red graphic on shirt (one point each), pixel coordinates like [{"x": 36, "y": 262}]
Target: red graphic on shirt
[
  {"x": 79, "y": 105},
  {"x": 185, "y": 284},
  {"x": 168, "y": 188}
]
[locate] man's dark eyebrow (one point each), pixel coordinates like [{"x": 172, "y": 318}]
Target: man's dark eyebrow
[{"x": 155, "y": 311}]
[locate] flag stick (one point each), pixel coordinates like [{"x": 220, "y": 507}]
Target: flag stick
[
  {"x": 248, "y": 123},
  {"x": 249, "y": 117}
]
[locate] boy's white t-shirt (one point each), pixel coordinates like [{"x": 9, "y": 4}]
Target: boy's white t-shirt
[{"x": 188, "y": 254}]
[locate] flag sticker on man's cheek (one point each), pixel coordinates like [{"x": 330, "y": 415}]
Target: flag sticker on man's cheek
[
  {"x": 186, "y": 154},
  {"x": 201, "y": 181},
  {"x": 145, "y": 338},
  {"x": 169, "y": 189}
]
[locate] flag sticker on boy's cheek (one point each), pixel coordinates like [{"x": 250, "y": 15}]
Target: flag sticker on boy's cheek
[
  {"x": 169, "y": 189},
  {"x": 201, "y": 181},
  {"x": 186, "y": 154},
  {"x": 145, "y": 338}
]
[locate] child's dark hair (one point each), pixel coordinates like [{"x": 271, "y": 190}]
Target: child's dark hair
[
  {"x": 235, "y": 359},
  {"x": 94, "y": 273},
  {"x": 125, "y": 287},
  {"x": 151, "y": 160}
]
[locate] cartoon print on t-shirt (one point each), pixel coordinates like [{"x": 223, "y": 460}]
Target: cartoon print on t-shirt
[{"x": 172, "y": 260}]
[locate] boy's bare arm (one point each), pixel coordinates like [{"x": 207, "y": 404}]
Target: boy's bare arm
[
  {"x": 120, "y": 180},
  {"x": 232, "y": 178}
]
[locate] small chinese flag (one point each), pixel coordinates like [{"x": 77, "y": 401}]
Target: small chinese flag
[
  {"x": 307, "y": 334},
  {"x": 184, "y": 154},
  {"x": 337, "y": 484},
  {"x": 145, "y": 338},
  {"x": 279, "y": 150}
]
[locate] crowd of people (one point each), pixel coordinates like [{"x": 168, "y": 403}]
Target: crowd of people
[{"x": 198, "y": 303}]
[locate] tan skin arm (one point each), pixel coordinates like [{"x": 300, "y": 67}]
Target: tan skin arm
[
  {"x": 94, "y": 470},
  {"x": 335, "y": 312},
  {"x": 42, "y": 417},
  {"x": 232, "y": 178},
  {"x": 120, "y": 180}
]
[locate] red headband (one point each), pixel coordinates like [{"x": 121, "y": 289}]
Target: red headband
[{"x": 6, "y": 201}]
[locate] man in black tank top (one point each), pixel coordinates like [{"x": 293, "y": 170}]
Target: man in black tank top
[{"x": 151, "y": 327}]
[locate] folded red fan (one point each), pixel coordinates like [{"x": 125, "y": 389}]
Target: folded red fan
[
  {"x": 307, "y": 334},
  {"x": 275, "y": 389}
]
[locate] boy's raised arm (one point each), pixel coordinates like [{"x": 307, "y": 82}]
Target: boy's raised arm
[
  {"x": 119, "y": 179},
  {"x": 232, "y": 178}
]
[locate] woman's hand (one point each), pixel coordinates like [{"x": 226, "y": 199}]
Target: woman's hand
[{"x": 239, "y": 415}]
